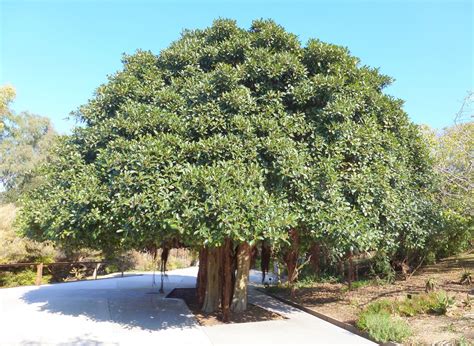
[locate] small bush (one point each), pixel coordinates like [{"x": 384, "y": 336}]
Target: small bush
[
  {"x": 383, "y": 327},
  {"x": 466, "y": 278},
  {"x": 442, "y": 304},
  {"x": 430, "y": 285},
  {"x": 419, "y": 304},
  {"x": 21, "y": 278}
]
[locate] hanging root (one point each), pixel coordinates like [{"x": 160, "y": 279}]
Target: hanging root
[
  {"x": 265, "y": 259},
  {"x": 164, "y": 260}
]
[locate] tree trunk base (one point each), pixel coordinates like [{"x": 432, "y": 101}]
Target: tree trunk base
[{"x": 239, "y": 301}]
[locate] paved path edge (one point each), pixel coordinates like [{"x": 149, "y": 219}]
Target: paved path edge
[{"x": 326, "y": 318}]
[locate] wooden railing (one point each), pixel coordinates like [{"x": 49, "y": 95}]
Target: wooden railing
[{"x": 41, "y": 266}]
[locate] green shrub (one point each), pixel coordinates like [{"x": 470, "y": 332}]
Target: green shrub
[
  {"x": 433, "y": 302},
  {"x": 21, "y": 278},
  {"x": 381, "y": 269},
  {"x": 442, "y": 303},
  {"x": 383, "y": 327}
]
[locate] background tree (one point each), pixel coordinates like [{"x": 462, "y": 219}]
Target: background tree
[
  {"x": 19, "y": 154},
  {"x": 451, "y": 150},
  {"x": 24, "y": 142}
]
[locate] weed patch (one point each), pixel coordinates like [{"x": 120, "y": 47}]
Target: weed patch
[{"x": 383, "y": 327}]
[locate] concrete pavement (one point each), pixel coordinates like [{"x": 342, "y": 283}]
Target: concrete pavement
[{"x": 129, "y": 311}]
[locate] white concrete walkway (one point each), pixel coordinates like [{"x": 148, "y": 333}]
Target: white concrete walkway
[{"x": 129, "y": 311}]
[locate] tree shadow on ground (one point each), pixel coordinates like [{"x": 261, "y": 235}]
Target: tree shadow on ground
[
  {"x": 130, "y": 304},
  {"x": 79, "y": 341}
]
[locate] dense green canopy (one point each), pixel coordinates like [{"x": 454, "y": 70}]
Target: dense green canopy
[{"x": 242, "y": 134}]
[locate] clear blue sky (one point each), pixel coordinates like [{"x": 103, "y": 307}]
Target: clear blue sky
[{"x": 56, "y": 53}]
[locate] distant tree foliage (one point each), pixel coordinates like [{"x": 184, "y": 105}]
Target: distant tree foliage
[
  {"x": 452, "y": 152},
  {"x": 24, "y": 142},
  {"x": 234, "y": 136}
]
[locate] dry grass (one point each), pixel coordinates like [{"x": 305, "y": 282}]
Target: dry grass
[
  {"x": 178, "y": 258},
  {"x": 7, "y": 215},
  {"x": 14, "y": 248}
]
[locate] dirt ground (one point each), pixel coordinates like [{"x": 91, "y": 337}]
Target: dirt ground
[
  {"x": 252, "y": 314},
  {"x": 336, "y": 301}
]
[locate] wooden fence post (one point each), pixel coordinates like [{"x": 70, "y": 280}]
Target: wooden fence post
[
  {"x": 96, "y": 269},
  {"x": 39, "y": 274}
]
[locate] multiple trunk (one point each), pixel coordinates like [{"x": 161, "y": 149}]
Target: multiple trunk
[
  {"x": 223, "y": 274},
  {"x": 223, "y": 277}
]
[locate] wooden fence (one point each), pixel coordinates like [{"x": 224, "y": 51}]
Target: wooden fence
[{"x": 41, "y": 266}]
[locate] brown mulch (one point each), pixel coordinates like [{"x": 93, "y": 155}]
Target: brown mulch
[
  {"x": 252, "y": 314},
  {"x": 334, "y": 300}
]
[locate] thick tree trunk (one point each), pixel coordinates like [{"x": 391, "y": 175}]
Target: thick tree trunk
[
  {"x": 227, "y": 279},
  {"x": 315, "y": 258},
  {"x": 239, "y": 301},
  {"x": 202, "y": 276},
  {"x": 212, "y": 296},
  {"x": 291, "y": 259}
]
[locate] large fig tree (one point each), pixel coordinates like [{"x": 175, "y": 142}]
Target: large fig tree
[{"x": 230, "y": 138}]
